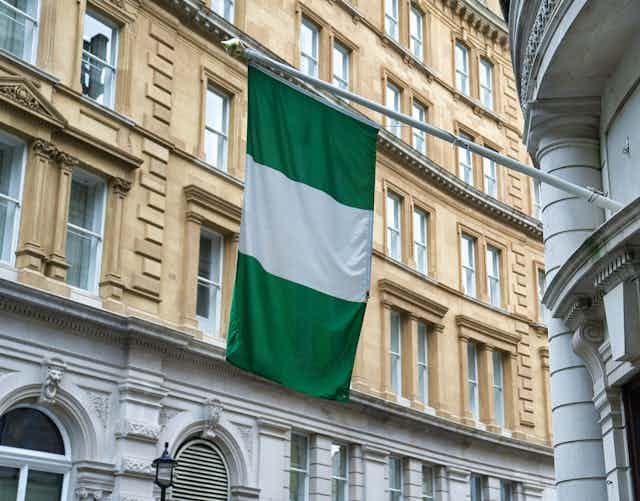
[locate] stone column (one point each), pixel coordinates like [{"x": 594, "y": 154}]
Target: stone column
[
  {"x": 356, "y": 473},
  {"x": 465, "y": 405},
  {"x": 485, "y": 376},
  {"x": 564, "y": 140},
  {"x": 458, "y": 484},
  {"x": 191, "y": 253},
  {"x": 57, "y": 263},
  {"x": 376, "y": 479},
  {"x": 441, "y": 486},
  {"x": 492, "y": 489},
  {"x": 511, "y": 400},
  {"x": 385, "y": 346},
  {"x": 412, "y": 480},
  {"x": 320, "y": 468}
]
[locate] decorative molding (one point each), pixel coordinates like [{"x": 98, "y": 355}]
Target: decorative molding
[
  {"x": 120, "y": 186},
  {"x": 396, "y": 295},
  {"x": 138, "y": 430},
  {"x": 621, "y": 265},
  {"x": 55, "y": 369},
  {"x": 247, "y": 438},
  {"x": 90, "y": 494},
  {"x": 136, "y": 467},
  {"x": 471, "y": 328},
  {"x": 212, "y": 411},
  {"x": 20, "y": 92},
  {"x": 209, "y": 201},
  {"x": 99, "y": 403},
  {"x": 45, "y": 149}
]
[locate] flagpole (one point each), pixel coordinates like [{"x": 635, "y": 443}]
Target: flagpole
[{"x": 592, "y": 195}]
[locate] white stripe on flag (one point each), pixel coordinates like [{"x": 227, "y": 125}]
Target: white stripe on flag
[{"x": 303, "y": 235}]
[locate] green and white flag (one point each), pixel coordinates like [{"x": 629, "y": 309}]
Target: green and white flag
[{"x": 304, "y": 257}]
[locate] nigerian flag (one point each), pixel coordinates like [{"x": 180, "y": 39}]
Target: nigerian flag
[{"x": 304, "y": 257}]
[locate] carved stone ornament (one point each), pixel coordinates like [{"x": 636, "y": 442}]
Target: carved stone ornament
[
  {"x": 88, "y": 494},
  {"x": 212, "y": 413},
  {"x": 45, "y": 149},
  {"x": 66, "y": 160},
  {"x": 120, "y": 186},
  {"x": 55, "y": 370},
  {"x": 146, "y": 432},
  {"x": 21, "y": 94},
  {"x": 137, "y": 467}
]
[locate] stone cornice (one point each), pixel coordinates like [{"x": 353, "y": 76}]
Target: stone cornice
[
  {"x": 395, "y": 294},
  {"x": 471, "y": 328},
  {"x": 196, "y": 195}
]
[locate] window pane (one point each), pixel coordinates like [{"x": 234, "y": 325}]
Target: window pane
[
  {"x": 43, "y": 486},
  {"x": 339, "y": 460},
  {"x": 299, "y": 451},
  {"x": 224, "y": 8},
  {"x": 216, "y": 128},
  {"x": 82, "y": 254},
  {"x": 98, "y": 59},
  {"x": 309, "y": 48},
  {"x": 427, "y": 482},
  {"x": 476, "y": 488},
  {"x": 338, "y": 490},
  {"x": 471, "y": 355},
  {"x": 393, "y": 103},
  {"x": 340, "y": 66},
  {"x": 395, "y": 332},
  {"x": 18, "y": 27},
  {"x": 395, "y": 473},
  {"x": 11, "y": 158},
  {"x": 296, "y": 486},
  {"x": 26, "y": 428},
  {"x": 86, "y": 203},
  {"x": 210, "y": 254},
  {"x": 506, "y": 488},
  {"x": 9, "y": 483}
]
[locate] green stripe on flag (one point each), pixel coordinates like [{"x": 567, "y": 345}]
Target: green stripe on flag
[
  {"x": 291, "y": 334},
  {"x": 314, "y": 144}
]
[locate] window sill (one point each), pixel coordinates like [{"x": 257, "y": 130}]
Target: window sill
[
  {"x": 8, "y": 272},
  {"x": 85, "y": 297}
]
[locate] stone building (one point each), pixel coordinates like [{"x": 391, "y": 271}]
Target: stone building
[
  {"x": 577, "y": 76},
  {"x": 122, "y": 139}
]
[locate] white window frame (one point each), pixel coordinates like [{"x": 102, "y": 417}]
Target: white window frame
[
  {"x": 94, "y": 280},
  {"x": 109, "y": 99},
  {"x": 541, "y": 279},
  {"x": 468, "y": 261},
  {"x": 490, "y": 171},
  {"x": 395, "y": 330},
  {"x": 339, "y": 80},
  {"x": 486, "y": 83},
  {"x": 391, "y": 16},
  {"x": 211, "y": 325},
  {"x": 314, "y": 57},
  {"x": 423, "y": 363},
  {"x": 420, "y": 218},
  {"x": 432, "y": 470},
  {"x": 494, "y": 283},
  {"x": 25, "y": 459},
  {"x": 462, "y": 68},
  {"x": 465, "y": 161},
  {"x": 537, "y": 199},
  {"x": 18, "y": 161},
  {"x": 393, "y": 98},
  {"x": 28, "y": 53},
  {"x": 305, "y": 472},
  {"x": 224, "y": 8},
  {"x": 343, "y": 481},
  {"x": 419, "y": 112},
  {"x": 394, "y": 207},
  {"x": 481, "y": 482},
  {"x": 392, "y": 489},
  {"x": 498, "y": 388},
  {"x": 222, "y": 136},
  {"x": 416, "y": 37},
  {"x": 472, "y": 380}
]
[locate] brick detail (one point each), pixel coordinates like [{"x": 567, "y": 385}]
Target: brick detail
[
  {"x": 160, "y": 87},
  {"x": 525, "y": 377}
]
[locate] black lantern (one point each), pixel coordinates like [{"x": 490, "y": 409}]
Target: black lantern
[{"x": 164, "y": 466}]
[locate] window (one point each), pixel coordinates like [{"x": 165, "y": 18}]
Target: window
[
  {"x": 209, "y": 281},
  {"x": 216, "y": 128},
  {"x": 395, "y": 479},
  {"x": 468, "y": 253},
  {"x": 394, "y": 227},
  {"x": 416, "y": 24},
  {"x": 84, "y": 230},
  {"x": 498, "y": 388},
  {"x": 428, "y": 483},
  {"x": 201, "y": 472},
  {"x": 541, "y": 288},
  {"x": 299, "y": 469},
  {"x": 462, "y": 68},
  {"x": 340, "y": 65},
  {"x": 486, "y": 83},
  {"x": 420, "y": 240},
  {"x": 393, "y": 103},
  {"x": 423, "y": 364},
  {"x": 99, "y": 50},
  {"x": 224, "y": 8},
  {"x": 396, "y": 353},
  {"x": 34, "y": 464},
  {"x": 493, "y": 276},
  {"x": 339, "y": 473},
  {"x": 537, "y": 199},
  {"x": 12, "y": 159},
  {"x": 309, "y": 47},
  {"x": 506, "y": 490},
  {"x": 465, "y": 161},
  {"x": 489, "y": 168},
  {"x": 419, "y": 112},
  {"x": 472, "y": 380},
  {"x": 391, "y": 18},
  {"x": 477, "y": 484},
  {"x": 19, "y": 28}
]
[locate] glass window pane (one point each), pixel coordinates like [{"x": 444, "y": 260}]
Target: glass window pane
[
  {"x": 98, "y": 59},
  {"x": 299, "y": 451},
  {"x": 43, "y": 486},
  {"x": 471, "y": 355},
  {"x": 339, "y": 460},
  {"x": 224, "y": 8},
  {"x": 18, "y": 27},
  {"x": 395, "y": 473},
  {"x": 395, "y": 332},
  {"x": 85, "y": 203},
  {"x": 427, "y": 482},
  {"x": 9, "y": 483},
  {"x": 82, "y": 254},
  {"x": 216, "y": 111},
  {"x": 296, "y": 486},
  {"x": 26, "y": 428}
]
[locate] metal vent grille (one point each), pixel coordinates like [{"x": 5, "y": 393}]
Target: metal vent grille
[{"x": 201, "y": 474}]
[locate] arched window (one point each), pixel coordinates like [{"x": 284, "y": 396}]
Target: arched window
[
  {"x": 34, "y": 459},
  {"x": 201, "y": 473}
]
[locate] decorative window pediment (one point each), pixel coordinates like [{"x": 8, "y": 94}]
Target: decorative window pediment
[
  {"x": 213, "y": 209},
  {"x": 21, "y": 93},
  {"x": 487, "y": 334},
  {"x": 401, "y": 298}
]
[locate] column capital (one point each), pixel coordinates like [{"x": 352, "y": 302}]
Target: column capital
[
  {"x": 120, "y": 186},
  {"x": 44, "y": 149},
  {"x": 66, "y": 162}
]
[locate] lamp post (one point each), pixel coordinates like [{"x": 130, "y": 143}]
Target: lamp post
[{"x": 164, "y": 466}]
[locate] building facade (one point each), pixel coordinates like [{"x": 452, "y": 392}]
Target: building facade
[
  {"x": 578, "y": 85},
  {"x": 122, "y": 140}
]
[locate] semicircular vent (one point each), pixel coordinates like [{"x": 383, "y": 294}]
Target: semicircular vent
[{"x": 201, "y": 474}]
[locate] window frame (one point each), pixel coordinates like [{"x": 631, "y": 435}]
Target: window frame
[
  {"x": 462, "y": 73},
  {"x": 339, "y": 81},
  {"x": 473, "y": 382},
  {"x": 20, "y": 161},
  {"x": 220, "y": 135},
  {"x": 490, "y": 177},
  {"x": 393, "y": 126},
  {"x": 392, "y": 19},
  {"x": 486, "y": 70},
  {"x": 497, "y": 386},
  {"x": 345, "y": 479},
  {"x": 481, "y": 482},
  {"x": 306, "y": 471},
  {"x": 423, "y": 363},
  {"x": 400, "y": 489},
  {"x": 29, "y": 54},
  {"x": 395, "y": 376},
  {"x": 315, "y": 46},
  {"x": 426, "y": 496},
  {"x": 26, "y": 459},
  {"x": 416, "y": 40},
  {"x": 390, "y": 217},
  {"x": 225, "y": 3},
  {"x": 541, "y": 287},
  {"x": 493, "y": 257},
  {"x": 472, "y": 266},
  {"x": 419, "y": 112},
  {"x": 419, "y": 212},
  {"x": 465, "y": 160},
  {"x": 115, "y": 48},
  {"x": 206, "y": 323},
  {"x": 94, "y": 281}
]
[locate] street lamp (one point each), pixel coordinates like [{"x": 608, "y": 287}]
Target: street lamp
[{"x": 164, "y": 466}]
